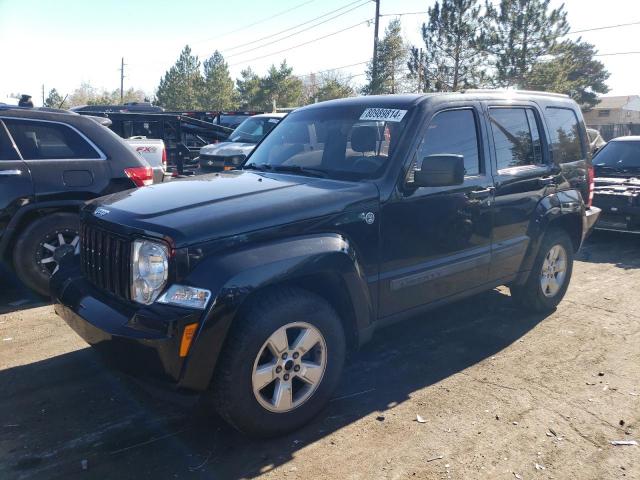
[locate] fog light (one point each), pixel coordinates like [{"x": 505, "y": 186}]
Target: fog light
[
  {"x": 185, "y": 296},
  {"x": 187, "y": 337}
]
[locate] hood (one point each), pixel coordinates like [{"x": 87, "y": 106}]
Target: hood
[
  {"x": 228, "y": 149},
  {"x": 208, "y": 207}
]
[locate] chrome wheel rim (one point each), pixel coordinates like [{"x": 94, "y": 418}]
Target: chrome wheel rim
[
  {"x": 554, "y": 271},
  {"x": 289, "y": 367},
  {"x": 55, "y": 246}
]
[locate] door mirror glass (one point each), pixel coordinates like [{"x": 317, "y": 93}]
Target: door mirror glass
[{"x": 440, "y": 171}]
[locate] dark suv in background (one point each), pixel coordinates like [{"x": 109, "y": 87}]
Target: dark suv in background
[
  {"x": 51, "y": 163},
  {"x": 349, "y": 215}
]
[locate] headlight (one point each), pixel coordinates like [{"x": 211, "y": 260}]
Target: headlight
[
  {"x": 236, "y": 160},
  {"x": 149, "y": 270},
  {"x": 186, "y": 296}
]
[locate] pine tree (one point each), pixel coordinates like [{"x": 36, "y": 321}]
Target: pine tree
[
  {"x": 181, "y": 86},
  {"x": 573, "y": 70},
  {"x": 280, "y": 88},
  {"x": 519, "y": 33},
  {"x": 453, "y": 57},
  {"x": 217, "y": 88},
  {"x": 388, "y": 73},
  {"x": 248, "y": 87},
  {"x": 54, "y": 99},
  {"x": 333, "y": 86}
]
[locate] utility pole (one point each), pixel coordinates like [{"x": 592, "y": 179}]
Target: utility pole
[
  {"x": 43, "y": 94},
  {"x": 122, "y": 80},
  {"x": 374, "y": 77}
]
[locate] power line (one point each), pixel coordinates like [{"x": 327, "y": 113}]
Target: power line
[
  {"x": 402, "y": 14},
  {"x": 296, "y": 26},
  {"x": 256, "y": 23},
  {"x": 332, "y": 69},
  {"x": 301, "y": 44},
  {"x": 601, "y": 28},
  {"x": 614, "y": 54}
]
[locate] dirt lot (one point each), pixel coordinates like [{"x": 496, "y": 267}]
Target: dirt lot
[{"x": 500, "y": 393}]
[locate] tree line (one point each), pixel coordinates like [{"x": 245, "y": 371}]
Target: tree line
[{"x": 465, "y": 44}]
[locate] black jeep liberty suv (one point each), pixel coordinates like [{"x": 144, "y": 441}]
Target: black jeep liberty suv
[{"x": 351, "y": 214}]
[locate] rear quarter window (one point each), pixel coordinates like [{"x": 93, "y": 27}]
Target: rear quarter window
[
  {"x": 564, "y": 129},
  {"x": 39, "y": 140}
]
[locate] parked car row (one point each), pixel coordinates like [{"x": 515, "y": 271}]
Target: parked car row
[{"x": 252, "y": 284}]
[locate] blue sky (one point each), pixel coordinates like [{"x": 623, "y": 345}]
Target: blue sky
[{"x": 65, "y": 42}]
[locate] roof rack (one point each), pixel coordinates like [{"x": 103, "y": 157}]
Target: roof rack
[{"x": 504, "y": 90}]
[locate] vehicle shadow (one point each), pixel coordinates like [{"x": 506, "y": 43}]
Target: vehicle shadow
[
  {"x": 14, "y": 296},
  {"x": 619, "y": 249},
  {"x": 61, "y": 412}
]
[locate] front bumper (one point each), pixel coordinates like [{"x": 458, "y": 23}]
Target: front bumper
[
  {"x": 141, "y": 340},
  {"x": 590, "y": 219}
]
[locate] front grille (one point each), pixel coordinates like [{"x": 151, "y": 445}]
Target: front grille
[
  {"x": 106, "y": 260},
  {"x": 214, "y": 163}
]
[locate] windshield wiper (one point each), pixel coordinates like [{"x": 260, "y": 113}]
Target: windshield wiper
[
  {"x": 260, "y": 168},
  {"x": 312, "y": 172}
]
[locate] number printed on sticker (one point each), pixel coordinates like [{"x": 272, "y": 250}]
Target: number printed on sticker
[{"x": 383, "y": 114}]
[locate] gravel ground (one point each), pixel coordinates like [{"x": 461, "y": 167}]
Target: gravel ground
[{"x": 503, "y": 395}]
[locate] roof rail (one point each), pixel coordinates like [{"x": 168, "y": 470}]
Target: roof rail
[{"x": 504, "y": 90}]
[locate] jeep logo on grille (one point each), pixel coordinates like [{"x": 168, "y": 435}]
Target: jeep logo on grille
[{"x": 101, "y": 212}]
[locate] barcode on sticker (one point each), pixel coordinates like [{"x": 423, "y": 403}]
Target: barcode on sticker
[{"x": 383, "y": 114}]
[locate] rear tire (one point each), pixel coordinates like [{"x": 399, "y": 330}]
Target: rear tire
[
  {"x": 251, "y": 377},
  {"x": 549, "y": 278},
  {"x": 40, "y": 247}
]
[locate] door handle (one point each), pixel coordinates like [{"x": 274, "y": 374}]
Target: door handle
[
  {"x": 8, "y": 173},
  {"x": 547, "y": 181},
  {"x": 481, "y": 194}
]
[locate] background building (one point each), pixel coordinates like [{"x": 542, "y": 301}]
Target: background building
[{"x": 615, "y": 116}]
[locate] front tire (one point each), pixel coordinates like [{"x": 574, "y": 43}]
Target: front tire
[
  {"x": 281, "y": 363},
  {"x": 549, "y": 278},
  {"x": 41, "y": 246}
]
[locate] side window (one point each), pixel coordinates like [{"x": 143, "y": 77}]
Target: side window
[
  {"x": 452, "y": 132},
  {"x": 7, "y": 152},
  {"x": 43, "y": 140},
  {"x": 516, "y": 137},
  {"x": 565, "y": 135}
]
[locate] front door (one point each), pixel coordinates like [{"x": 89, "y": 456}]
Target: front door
[
  {"x": 16, "y": 188},
  {"x": 436, "y": 241}
]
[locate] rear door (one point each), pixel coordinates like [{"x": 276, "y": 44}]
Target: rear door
[
  {"x": 61, "y": 159},
  {"x": 16, "y": 188},
  {"x": 524, "y": 175}
]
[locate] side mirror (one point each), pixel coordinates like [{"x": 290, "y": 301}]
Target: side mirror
[{"x": 440, "y": 171}]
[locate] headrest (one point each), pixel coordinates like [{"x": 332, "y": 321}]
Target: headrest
[{"x": 364, "y": 138}]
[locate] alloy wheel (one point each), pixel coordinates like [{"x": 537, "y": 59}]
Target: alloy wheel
[
  {"x": 554, "y": 271},
  {"x": 55, "y": 246},
  {"x": 289, "y": 367}
]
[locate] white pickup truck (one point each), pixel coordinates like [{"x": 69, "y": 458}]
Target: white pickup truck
[{"x": 154, "y": 152}]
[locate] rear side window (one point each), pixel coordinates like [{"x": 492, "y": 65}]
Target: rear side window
[
  {"x": 453, "y": 132},
  {"x": 7, "y": 152},
  {"x": 516, "y": 137},
  {"x": 565, "y": 135},
  {"x": 43, "y": 140}
]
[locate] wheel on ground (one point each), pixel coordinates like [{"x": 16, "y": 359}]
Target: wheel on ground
[
  {"x": 549, "y": 278},
  {"x": 281, "y": 362},
  {"x": 41, "y": 246}
]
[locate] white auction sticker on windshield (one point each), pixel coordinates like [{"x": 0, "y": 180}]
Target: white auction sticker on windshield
[{"x": 383, "y": 114}]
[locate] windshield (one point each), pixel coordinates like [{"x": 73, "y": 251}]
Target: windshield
[
  {"x": 253, "y": 129},
  {"x": 619, "y": 156},
  {"x": 351, "y": 143},
  {"x": 231, "y": 121}
]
